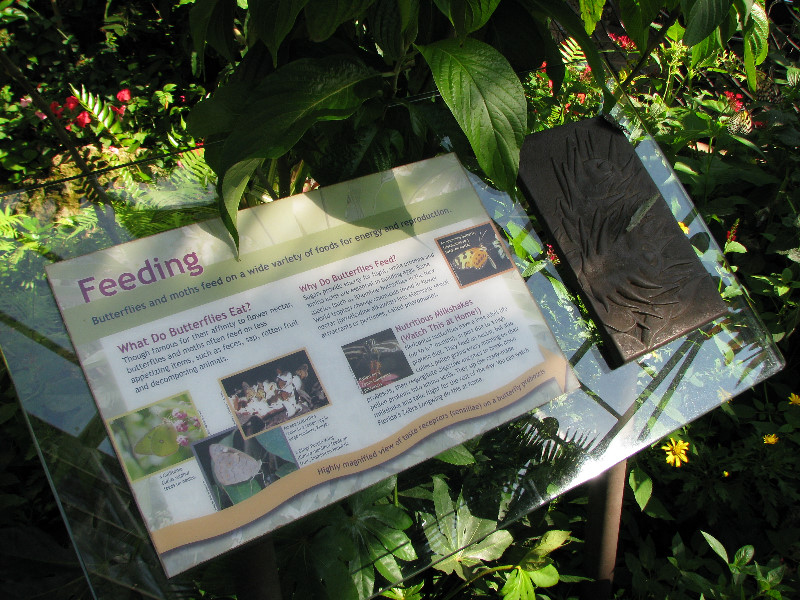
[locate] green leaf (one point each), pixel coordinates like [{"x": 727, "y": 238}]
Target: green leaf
[
  {"x": 733, "y": 246},
  {"x": 488, "y": 101},
  {"x": 518, "y": 586},
  {"x": 756, "y": 43},
  {"x": 704, "y": 52},
  {"x": 637, "y": 16},
  {"x": 454, "y": 533},
  {"x": 272, "y": 20},
  {"x": 744, "y": 555},
  {"x": 642, "y": 486},
  {"x": 289, "y": 101},
  {"x": 458, "y": 455},
  {"x": 591, "y": 11},
  {"x": 230, "y": 194},
  {"x": 704, "y": 17},
  {"x": 467, "y": 15},
  {"x": 544, "y": 577},
  {"x": 394, "y": 27},
  {"x": 363, "y": 575},
  {"x": 219, "y": 113},
  {"x": 323, "y": 17},
  {"x": 550, "y": 541},
  {"x": 716, "y": 546}
]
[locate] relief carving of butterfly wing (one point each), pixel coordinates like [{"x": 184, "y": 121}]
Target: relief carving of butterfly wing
[
  {"x": 232, "y": 466},
  {"x": 161, "y": 440}
]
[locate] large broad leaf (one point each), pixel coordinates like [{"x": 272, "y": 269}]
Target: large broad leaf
[
  {"x": 591, "y": 11},
  {"x": 394, "y": 26},
  {"x": 323, "y": 17},
  {"x": 272, "y": 20},
  {"x": 756, "y": 38},
  {"x": 290, "y": 100},
  {"x": 637, "y": 16},
  {"x": 280, "y": 110},
  {"x": 486, "y": 98},
  {"x": 704, "y": 17},
  {"x": 230, "y": 190},
  {"x": 211, "y": 22},
  {"x": 459, "y": 538},
  {"x": 219, "y": 113},
  {"x": 376, "y": 530},
  {"x": 467, "y": 15}
]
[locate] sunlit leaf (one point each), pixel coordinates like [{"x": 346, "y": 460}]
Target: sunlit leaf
[
  {"x": 486, "y": 98},
  {"x": 591, "y": 11},
  {"x": 642, "y": 487},
  {"x": 716, "y": 546},
  {"x": 465, "y": 540},
  {"x": 457, "y": 455}
]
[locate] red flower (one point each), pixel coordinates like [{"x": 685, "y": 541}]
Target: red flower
[
  {"x": 57, "y": 110},
  {"x": 731, "y": 235},
  {"x": 124, "y": 95},
  {"x": 120, "y": 110},
  {"x": 551, "y": 255},
  {"x": 71, "y": 103},
  {"x": 83, "y": 119},
  {"x": 581, "y": 97},
  {"x": 624, "y": 41},
  {"x": 734, "y": 100}
]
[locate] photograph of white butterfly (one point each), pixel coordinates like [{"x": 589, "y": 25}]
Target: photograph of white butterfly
[
  {"x": 474, "y": 254},
  {"x": 236, "y": 468},
  {"x": 157, "y": 436}
]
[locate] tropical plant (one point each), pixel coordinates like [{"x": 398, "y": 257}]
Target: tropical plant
[{"x": 346, "y": 88}]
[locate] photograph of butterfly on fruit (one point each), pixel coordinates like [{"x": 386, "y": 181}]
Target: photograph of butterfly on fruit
[
  {"x": 157, "y": 436},
  {"x": 236, "y": 468},
  {"x": 474, "y": 254}
]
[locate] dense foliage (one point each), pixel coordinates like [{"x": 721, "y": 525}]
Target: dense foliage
[{"x": 309, "y": 88}]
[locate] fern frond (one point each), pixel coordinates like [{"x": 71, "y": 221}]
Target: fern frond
[
  {"x": 103, "y": 114},
  {"x": 571, "y": 52}
]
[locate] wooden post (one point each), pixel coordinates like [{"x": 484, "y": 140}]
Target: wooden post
[
  {"x": 602, "y": 531},
  {"x": 257, "y": 572}
]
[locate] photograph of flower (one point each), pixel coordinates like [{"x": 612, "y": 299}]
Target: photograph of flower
[
  {"x": 157, "y": 436},
  {"x": 272, "y": 393},
  {"x": 474, "y": 254},
  {"x": 377, "y": 360},
  {"x": 236, "y": 467}
]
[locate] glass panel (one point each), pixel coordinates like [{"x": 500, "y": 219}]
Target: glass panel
[{"x": 614, "y": 414}]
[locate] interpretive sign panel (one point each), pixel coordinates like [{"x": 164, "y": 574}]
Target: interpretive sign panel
[{"x": 364, "y": 327}]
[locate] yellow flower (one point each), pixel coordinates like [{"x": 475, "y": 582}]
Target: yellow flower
[
  {"x": 725, "y": 474},
  {"x": 684, "y": 228},
  {"x": 794, "y": 399},
  {"x": 676, "y": 452},
  {"x": 771, "y": 439}
]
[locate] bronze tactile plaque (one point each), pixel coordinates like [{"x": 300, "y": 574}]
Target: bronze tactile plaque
[{"x": 632, "y": 264}]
